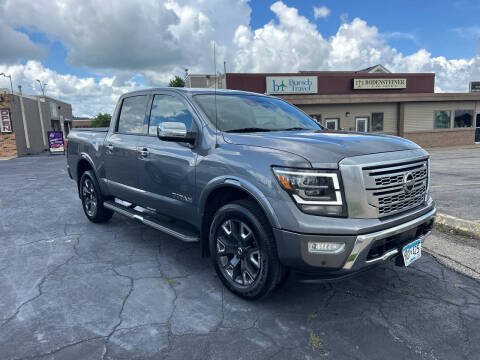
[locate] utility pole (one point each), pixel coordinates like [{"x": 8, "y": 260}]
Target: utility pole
[
  {"x": 25, "y": 127},
  {"x": 42, "y": 86}
]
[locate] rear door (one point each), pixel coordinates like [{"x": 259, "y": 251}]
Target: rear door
[
  {"x": 167, "y": 168},
  {"x": 121, "y": 163}
]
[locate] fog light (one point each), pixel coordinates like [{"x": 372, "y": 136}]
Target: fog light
[{"x": 325, "y": 247}]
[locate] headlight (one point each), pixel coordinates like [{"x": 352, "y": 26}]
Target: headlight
[{"x": 315, "y": 192}]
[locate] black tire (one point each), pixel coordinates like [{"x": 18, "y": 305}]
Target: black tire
[
  {"x": 92, "y": 199},
  {"x": 247, "y": 263}
]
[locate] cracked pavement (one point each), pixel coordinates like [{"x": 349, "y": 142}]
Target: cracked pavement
[{"x": 71, "y": 289}]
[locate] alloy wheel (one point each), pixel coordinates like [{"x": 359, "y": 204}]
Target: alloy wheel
[
  {"x": 89, "y": 197},
  {"x": 238, "y": 254}
]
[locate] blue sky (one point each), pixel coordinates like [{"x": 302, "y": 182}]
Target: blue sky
[
  {"x": 444, "y": 28},
  {"x": 91, "y": 51}
]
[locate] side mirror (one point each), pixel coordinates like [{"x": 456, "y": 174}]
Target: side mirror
[{"x": 175, "y": 131}]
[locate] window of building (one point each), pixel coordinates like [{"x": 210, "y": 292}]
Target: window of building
[
  {"x": 361, "y": 124},
  {"x": 331, "y": 124},
  {"x": 166, "y": 108},
  {"x": 54, "y": 110},
  {"x": 377, "y": 121},
  {"x": 442, "y": 119},
  {"x": 317, "y": 118},
  {"x": 132, "y": 115},
  {"x": 463, "y": 118}
]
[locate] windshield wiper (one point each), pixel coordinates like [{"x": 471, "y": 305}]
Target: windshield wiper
[
  {"x": 247, "y": 129},
  {"x": 293, "y": 129}
]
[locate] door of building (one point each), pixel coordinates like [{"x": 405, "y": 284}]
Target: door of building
[
  {"x": 331, "y": 124},
  {"x": 477, "y": 129},
  {"x": 361, "y": 124}
]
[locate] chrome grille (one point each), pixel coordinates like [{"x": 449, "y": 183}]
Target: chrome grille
[{"x": 387, "y": 190}]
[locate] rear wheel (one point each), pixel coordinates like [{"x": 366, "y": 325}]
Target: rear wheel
[
  {"x": 92, "y": 199},
  {"x": 243, "y": 250}
]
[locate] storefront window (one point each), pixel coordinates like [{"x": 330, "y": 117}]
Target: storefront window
[
  {"x": 377, "y": 121},
  {"x": 463, "y": 118},
  {"x": 442, "y": 119},
  {"x": 54, "y": 110}
]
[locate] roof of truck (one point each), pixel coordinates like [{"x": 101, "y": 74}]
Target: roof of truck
[{"x": 193, "y": 91}]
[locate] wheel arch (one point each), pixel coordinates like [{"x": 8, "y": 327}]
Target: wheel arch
[
  {"x": 85, "y": 163},
  {"x": 223, "y": 190}
]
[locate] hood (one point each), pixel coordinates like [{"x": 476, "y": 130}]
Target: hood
[{"x": 322, "y": 148}]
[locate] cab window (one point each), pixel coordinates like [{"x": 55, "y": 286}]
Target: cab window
[
  {"x": 166, "y": 108},
  {"x": 132, "y": 115}
]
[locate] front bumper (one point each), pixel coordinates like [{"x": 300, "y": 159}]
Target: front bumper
[{"x": 360, "y": 251}]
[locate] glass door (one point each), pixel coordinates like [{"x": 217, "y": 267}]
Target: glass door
[
  {"x": 331, "y": 124},
  {"x": 361, "y": 124}
]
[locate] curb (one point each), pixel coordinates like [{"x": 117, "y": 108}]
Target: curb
[{"x": 452, "y": 224}]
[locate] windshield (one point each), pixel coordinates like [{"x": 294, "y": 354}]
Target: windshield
[{"x": 249, "y": 113}]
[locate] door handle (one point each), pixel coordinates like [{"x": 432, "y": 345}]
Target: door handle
[
  {"x": 143, "y": 152},
  {"x": 110, "y": 147}
]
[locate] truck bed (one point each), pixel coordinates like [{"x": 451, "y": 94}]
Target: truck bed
[{"x": 99, "y": 129}]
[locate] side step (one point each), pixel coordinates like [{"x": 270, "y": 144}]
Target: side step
[{"x": 168, "y": 226}]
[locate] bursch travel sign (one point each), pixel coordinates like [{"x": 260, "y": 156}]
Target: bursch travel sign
[{"x": 292, "y": 85}]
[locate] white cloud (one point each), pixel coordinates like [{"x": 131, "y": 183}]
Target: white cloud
[
  {"x": 321, "y": 12},
  {"x": 289, "y": 45},
  {"x": 155, "y": 40},
  {"x": 87, "y": 95},
  {"x": 132, "y": 35},
  {"x": 16, "y": 46},
  {"x": 281, "y": 46}
]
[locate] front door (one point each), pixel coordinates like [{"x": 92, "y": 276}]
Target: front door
[
  {"x": 361, "y": 124},
  {"x": 331, "y": 124},
  {"x": 477, "y": 129},
  {"x": 167, "y": 168},
  {"x": 121, "y": 168}
]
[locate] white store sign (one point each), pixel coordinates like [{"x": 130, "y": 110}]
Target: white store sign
[
  {"x": 292, "y": 85},
  {"x": 6, "y": 124}
]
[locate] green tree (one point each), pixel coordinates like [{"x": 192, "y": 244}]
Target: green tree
[
  {"x": 101, "y": 120},
  {"x": 176, "y": 82}
]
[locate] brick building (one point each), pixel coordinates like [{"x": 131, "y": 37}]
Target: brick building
[
  {"x": 373, "y": 100},
  {"x": 26, "y": 120}
]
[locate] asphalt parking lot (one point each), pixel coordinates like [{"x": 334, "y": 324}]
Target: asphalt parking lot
[
  {"x": 456, "y": 181},
  {"x": 72, "y": 289}
]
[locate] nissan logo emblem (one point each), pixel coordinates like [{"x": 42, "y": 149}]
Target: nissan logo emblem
[{"x": 408, "y": 182}]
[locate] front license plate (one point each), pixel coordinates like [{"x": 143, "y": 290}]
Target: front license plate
[{"x": 412, "y": 252}]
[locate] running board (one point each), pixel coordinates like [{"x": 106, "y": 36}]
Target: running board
[{"x": 172, "y": 228}]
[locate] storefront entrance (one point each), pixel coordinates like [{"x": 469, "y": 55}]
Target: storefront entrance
[
  {"x": 331, "y": 124},
  {"x": 361, "y": 124}
]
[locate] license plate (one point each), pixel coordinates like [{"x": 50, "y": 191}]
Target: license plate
[{"x": 412, "y": 252}]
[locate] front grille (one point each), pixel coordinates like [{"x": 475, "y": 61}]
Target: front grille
[{"x": 387, "y": 190}]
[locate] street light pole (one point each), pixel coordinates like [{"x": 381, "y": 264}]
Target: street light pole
[
  {"x": 42, "y": 86},
  {"x": 11, "y": 86}
]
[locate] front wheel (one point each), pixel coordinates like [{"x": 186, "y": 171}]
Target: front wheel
[
  {"x": 92, "y": 199},
  {"x": 243, "y": 250}
]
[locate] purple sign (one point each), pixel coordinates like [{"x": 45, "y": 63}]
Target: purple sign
[{"x": 55, "y": 141}]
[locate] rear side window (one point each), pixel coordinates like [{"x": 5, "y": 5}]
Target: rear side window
[
  {"x": 132, "y": 115},
  {"x": 166, "y": 108}
]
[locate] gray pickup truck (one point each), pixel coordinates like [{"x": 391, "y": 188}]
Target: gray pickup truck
[{"x": 257, "y": 182}]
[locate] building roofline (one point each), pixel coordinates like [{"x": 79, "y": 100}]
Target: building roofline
[
  {"x": 333, "y": 73},
  {"x": 378, "y": 98}
]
